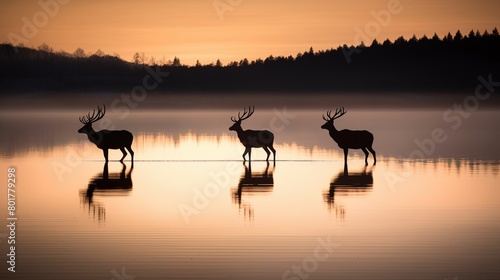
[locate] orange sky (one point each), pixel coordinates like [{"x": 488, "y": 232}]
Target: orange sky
[{"x": 194, "y": 29}]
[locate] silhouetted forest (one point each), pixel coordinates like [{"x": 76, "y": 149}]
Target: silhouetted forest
[{"x": 446, "y": 64}]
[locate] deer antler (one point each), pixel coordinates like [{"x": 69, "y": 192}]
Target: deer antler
[
  {"x": 246, "y": 114},
  {"x": 95, "y": 117},
  {"x": 338, "y": 113},
  {"x": 327, "y": 118}
]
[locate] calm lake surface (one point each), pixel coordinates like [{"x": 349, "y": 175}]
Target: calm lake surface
[{"x": 190, "y": 209}]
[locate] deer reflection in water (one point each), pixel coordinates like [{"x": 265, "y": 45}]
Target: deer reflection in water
[
  {"x": 347, "y": 184},
  {"x": 252, "y": 184},
  {"x": 106, "y": 184}
]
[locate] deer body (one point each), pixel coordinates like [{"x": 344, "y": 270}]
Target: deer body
[
  {"x": 253, "y": 138},
  {"x": 349, "y": 139},
  {"x": 107, "y": 139},
  {"x": 110, "y": 139}
]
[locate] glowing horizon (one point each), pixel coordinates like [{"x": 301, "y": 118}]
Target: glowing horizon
[{"x": 232, "y": 30}]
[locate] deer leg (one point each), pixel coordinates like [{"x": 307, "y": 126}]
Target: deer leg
[
  {"x": 131, "y": 152},
  {"x": 124, "y": 154},
  {"x": 247, "y": 150},
  {"x": 374, "y": 155},
  {"x": 268, "y": 153},
  {"x": 366, "y": 155},
  {"x": 274, "y": 154},
  {"x": 105, "y": 152},
  {"x": 345, "y": 156}
]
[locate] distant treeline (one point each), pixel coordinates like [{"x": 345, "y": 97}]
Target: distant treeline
[{"x": 451, "y": 63}]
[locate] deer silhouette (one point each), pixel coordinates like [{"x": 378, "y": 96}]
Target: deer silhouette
[
  {"x": 349, "y": 139},
  {"x": 253, "y": 138},
  {"x": 106, "y": 139}
]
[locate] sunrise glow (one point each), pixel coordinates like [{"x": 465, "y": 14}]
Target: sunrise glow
[{"x": 231, "y": 30}]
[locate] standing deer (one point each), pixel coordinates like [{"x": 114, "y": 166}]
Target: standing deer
[
  {"x": 349, "y": 139},
  {"x": 106, "y": 139},
  {"x": 253, "y": 138}
]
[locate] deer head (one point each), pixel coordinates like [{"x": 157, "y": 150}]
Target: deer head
[
  {"x": 329, "y": 118},
  {"x": 237, "y": 122},
  {"x": 88, "y": 120}
]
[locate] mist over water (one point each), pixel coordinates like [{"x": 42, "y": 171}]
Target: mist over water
[
  {"x": 127, "y": 100},
  {"x": 404, "y": 133}
]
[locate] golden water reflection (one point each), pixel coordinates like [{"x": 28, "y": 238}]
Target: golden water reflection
[{"x": 433, "y": 218}]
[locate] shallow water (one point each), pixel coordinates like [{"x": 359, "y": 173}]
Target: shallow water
[{"x": 189, "y": 208}]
